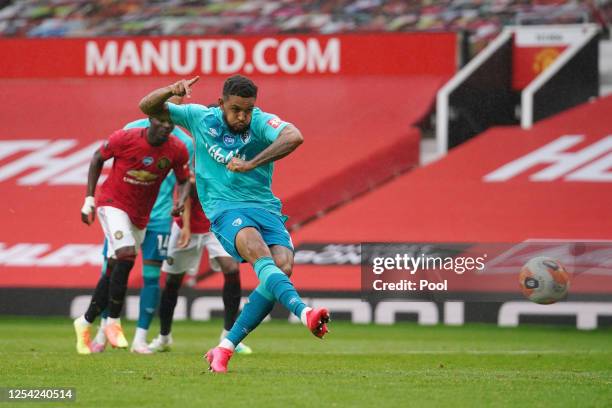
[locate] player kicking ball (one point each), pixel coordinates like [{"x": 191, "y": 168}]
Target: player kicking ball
[
  {"x": 143, "y": 158},
  {"x": 236, "y": 145},
  {"x": 190, "y": 235}
]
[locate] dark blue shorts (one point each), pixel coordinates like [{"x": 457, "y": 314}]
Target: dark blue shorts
[{"x": 271, "y": 227}]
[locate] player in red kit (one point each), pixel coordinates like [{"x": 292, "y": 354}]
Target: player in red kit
[{"x": 143, "y": 158}]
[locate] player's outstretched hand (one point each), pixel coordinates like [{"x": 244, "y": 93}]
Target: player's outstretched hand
[
  {"x": 183, "y": 87},
  {"x": 88, "y": 213},
  {"x": 239, "y": 166}
]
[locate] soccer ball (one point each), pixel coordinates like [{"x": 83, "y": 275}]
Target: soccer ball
[{"x": 544, "y": 280}]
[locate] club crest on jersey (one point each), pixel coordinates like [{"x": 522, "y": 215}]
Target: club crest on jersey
[
  {"x": 274, "y": 122},
  {"x": 147, "y": 161},
  {"x": 163, "y": 163},
  {"x": 228, "y": 140},
  {"x": 213, "y": 132},
  {"x": 118, "y": 235},
  {"x": 237, "y": 222},
  {"x": 245, "y": 137}
]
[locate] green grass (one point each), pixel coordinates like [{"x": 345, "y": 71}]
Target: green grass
[{"x": 358, "y": 365}]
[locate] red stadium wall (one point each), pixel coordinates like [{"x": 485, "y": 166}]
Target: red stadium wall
[
  {"x": 355, "y": 54},
  {"x": 506, "y": 185},
  {"x": 357, "y": 122}
]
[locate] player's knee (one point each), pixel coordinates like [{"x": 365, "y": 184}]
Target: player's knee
[
  {"x": 255, "y": 250},
  {"x": 126, "y": 254},
  {"x": 231, "y": 270},
  {"x": 286, "y": 266},
  {"x": 228, "y": 265}
]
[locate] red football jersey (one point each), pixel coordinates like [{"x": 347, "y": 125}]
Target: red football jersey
[
  {"x": 138, "y": 171},
  {"x": 198, "y": 224}
]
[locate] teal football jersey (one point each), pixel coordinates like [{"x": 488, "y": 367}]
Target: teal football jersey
[
  {"x": 161, "y": 220},
  {"x": 215, "y": 144}
]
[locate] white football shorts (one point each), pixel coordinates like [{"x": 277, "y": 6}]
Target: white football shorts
[
  {"x": 188, "y": 259},
  {"x": 119, "y": 230}
]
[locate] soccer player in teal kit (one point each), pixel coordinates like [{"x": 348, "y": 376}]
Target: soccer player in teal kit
[{"x": 236, "y": 145}]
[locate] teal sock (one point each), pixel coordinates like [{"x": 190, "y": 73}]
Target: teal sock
[
  {"x": 260, "y": 304},
  {"x": 277, "y": 283},
  {"x": 149, "y": 295}
]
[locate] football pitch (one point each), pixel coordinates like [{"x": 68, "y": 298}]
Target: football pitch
[{"x": 357, "y": 365}]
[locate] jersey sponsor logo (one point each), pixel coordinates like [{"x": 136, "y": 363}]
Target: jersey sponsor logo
[
  {"x": 147, "y": 161},
  {"x": 237, "y": 222},
  {"x": 163, "y": 163},
  {"x": 140, "y": 177},
  {"x": 229, "y": 140},
  {"x": 220, "y": 156},
  {"x": 274, "y": 122}
]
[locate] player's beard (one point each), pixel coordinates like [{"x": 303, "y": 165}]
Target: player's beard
[
  {"x": 160, "y": 138},
  {"x": 233, "y": 129}
]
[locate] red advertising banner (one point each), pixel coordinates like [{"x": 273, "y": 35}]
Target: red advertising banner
[{"x": 360, "y": 54}]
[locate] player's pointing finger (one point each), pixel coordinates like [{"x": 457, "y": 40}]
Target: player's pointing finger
[{"x": 193, "y": 80}]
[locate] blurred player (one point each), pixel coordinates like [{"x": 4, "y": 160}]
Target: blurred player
[
  {"x": 154, "y": 249},
  {"x": 236, "y": 145},
  {"x": 143, "y": 158},
  {"x": 190, "y": 235}
]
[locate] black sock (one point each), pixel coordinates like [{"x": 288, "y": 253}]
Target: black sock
[
  {"x": 168, "y": 302},
  {"x": 231, "y": 298},
  {"x": 118, "y": 287},
  {"x": 99, "y": 300}
]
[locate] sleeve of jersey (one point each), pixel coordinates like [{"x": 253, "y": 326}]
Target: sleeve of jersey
[
  {"x": 181, "y": 166},
  {"x": 183, "y": 115},
  {"x": 188, "y": 141},
  {"x": 268, "y": 126},
  {"x": 112, "y": 145}
]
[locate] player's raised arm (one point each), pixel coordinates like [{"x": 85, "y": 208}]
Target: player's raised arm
[
  {"x": 287, "y": 141},
  {"x": 88, "y": 214},
  {"x": 154, "y": 104}
]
